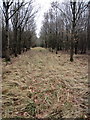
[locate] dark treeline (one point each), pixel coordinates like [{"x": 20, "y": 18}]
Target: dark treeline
[
  {"x": 18, "y": 27},
  {"x": 67, "y": 27}
]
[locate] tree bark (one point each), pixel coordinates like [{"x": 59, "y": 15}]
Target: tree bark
[
  {"x": 19, "y": 41},
  {"x": 73, "y": 6},
  {"x": 15, "y": 42},
  {"x": 7, "y": 54},
  {"x": 76, "y": 47}
]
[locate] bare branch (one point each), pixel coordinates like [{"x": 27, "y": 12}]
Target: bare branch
[
  {"x": 17, "y": 10},
  {"x": 61, "y": 11},
  {"x": 3, "y": 12}
]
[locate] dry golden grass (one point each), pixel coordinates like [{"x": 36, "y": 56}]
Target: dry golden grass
[{"x": 42, "y": 84}]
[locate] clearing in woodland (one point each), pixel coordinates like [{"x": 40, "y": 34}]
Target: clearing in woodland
[{"x": 43, "y": 84}]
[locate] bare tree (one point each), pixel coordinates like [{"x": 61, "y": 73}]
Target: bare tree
[
  {"x": 6, "y": 10},
  {"x": 19, "y": 21},
  {"x": 77, "y": 9}
]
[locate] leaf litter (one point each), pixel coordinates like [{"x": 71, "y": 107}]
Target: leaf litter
[{"x": 42, "y": 84}]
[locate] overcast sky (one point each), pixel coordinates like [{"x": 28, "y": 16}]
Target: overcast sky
[{"x": 44, "y": 6}]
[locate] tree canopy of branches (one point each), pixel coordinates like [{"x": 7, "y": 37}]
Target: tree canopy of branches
[
  {"x": 18, "y": 27},
  {"x": 65, "y": 27}
]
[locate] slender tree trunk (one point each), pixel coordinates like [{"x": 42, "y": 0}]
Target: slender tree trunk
[
  {"x": 71, "y": 50},
  {"x": 56, "y": 34},
  {"x": 88, "y": 27},
  {"x": 15, "y": 42},
  {"x": 19, "y": 41},
  {"x": 7, "y": 52},
  {"x": 73, "y": 6},
  {"x": 76, "y": 47}
]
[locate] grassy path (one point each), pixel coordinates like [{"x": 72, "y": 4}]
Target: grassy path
[{"x": 42, "y": 84}]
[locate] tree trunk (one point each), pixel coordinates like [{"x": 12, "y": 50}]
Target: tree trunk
[
  {"x": 19, "y": 41},
  {"x": 88, "y": 27},
  {"x": 7, "y": 52},
  {"x": 71, "y": 50},
  {"x": 76, "y": 47},
  {"x": 73, "y": 6},
  {"x": 15, "y": 42}
]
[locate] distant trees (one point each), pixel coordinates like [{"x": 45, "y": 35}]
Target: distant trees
[
  {"x": 18, "y": 27},
  {"x": 67, "y": 26},
  {"x": 52, "y": 31}
]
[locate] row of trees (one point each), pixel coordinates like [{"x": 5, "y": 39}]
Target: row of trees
[
  {"x": 66, "y": 27},
  {"x": 18, "y": 27}
]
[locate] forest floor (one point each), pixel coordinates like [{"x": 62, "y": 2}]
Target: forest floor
[{"x": 43, "y": 84}]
